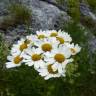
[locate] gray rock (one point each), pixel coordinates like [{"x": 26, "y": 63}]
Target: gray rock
[
  {"x": 3, "y": 7},
  {"x": 13, "y": 34},
  {"x": 84, "y": 8},
  {"x": 45, "y": 15},
  {"x": 92, "y": 42}
]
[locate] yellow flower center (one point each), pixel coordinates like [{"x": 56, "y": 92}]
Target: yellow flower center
[
  {"x": 50, "y": 70},
  {"x": 41, "y": 36},
  {"x": 27, "y": 41},
  {"x": 54, "y": 34},
  {"x": 46, "y": 47},
  {"x": 17, "y": 59},
  {"x": 61, "y": 40},
  {"x": 59, "y": 58},
  {"x": 36, "y": 57},
  {"x": 73, "y": 50},
  {"x": 23, "y": 46}
]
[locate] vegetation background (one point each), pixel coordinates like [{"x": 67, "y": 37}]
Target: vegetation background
[{"x": 80, "y": 77}]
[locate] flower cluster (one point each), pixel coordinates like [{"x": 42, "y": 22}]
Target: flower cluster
[{"x": 48, "y": 52}]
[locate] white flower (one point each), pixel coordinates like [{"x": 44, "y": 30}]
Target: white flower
[
  {"x": 74, "y": 48},
  {"x": 48, "y": 51},
  {"x": 63, "y": 37},
  {"x": 34, "y": 57},
  {"x": 61, "y": 52},
  {"x": 31, "y": 39},
  {"x": 14, "y": 61},
  {"x": 48, "y": 44},
  {"x": 59, "y": 57},
  {"x": 20, "y": 46},
  {"x": 48, "y": 33},
  {"x": 41, "y": 34},
  {"x": 53, "y": 33},
  {"x": 48, "y": 71}
]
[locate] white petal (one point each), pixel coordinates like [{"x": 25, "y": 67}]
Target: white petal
[
  {"x": 36, "y": 65},
  {"x": 11, "y": 65},
  {"x": 48, "y": 77},
  {"x": 9, "y": 58}
]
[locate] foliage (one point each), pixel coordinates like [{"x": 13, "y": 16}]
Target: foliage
[
  {"x": 89, "y": 24},
  {"x": 7, "y": 22},
  {"x": 74, "y": 10},
  {"x": 3, "y": 55},
  {"x": 3, "y": 50},
  {"x": 75, "y": 30},
  {"x": 83, "y": 81},
  {"x": 20, "y": 13},
  {"x": 61, "y": 2},
  {"x": 92, "y": 4}
]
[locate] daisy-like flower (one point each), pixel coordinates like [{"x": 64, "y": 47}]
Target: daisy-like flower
[
  {"x": 74, "y": 48},
  {"x": 34, "y": 57},
  {"x": 48, "y": 51},
  {"x": 31, "y": 39},
  {"x": 20, "y": 46},
  {"x": 45, "y": 34},
  {"x": 63, "y": 37},
  {"x": 14, "y": 61},
  {"x": 41, "y": 34},
  {"x": 47, "y": 44},
  {"x": 53, "y": 33},
  {"x": 48, "y": 71},
  {"x": 59, "y": 57}
]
